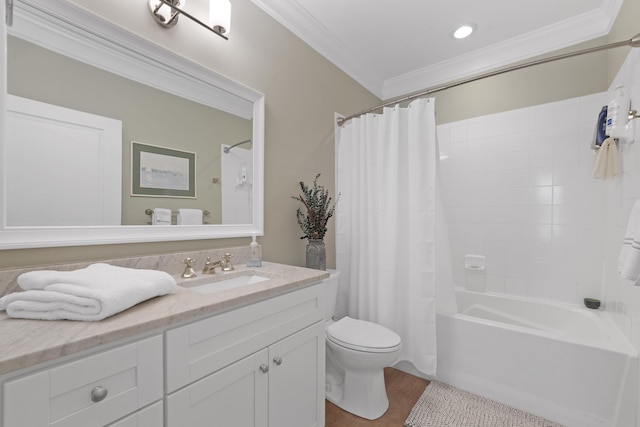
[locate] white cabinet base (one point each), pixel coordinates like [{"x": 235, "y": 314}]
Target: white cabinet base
[{"x": 68, "y": 395}]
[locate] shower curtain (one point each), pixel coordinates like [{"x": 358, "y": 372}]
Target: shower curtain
[{"x": 386, "y": 231}]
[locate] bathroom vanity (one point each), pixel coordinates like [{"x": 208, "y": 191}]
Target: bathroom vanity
[{"x": 246, "y": 356}]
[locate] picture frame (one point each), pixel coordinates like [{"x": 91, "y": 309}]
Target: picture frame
[{"x": 162, "y": 172}]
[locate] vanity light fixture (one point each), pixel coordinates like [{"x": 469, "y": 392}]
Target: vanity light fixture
[
  {"x": 464, "y": 31},
  {"x": 166, "y": 13}
]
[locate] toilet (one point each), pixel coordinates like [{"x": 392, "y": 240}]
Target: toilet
[{"x": 357, "y": 353}]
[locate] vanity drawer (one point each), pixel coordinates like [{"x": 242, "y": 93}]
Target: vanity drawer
[
  {"x": 201, "y": 348},
  {"x": 73, "y": 394}
]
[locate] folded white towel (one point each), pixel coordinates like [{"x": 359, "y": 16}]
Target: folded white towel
[
  {"x": 632, "y": 230},
  {"x": 161, "y": 216},
  {"x": 607, "y": 164},
  {"x": 189, "y": 216},
  {"x": 92, "y": 293}
]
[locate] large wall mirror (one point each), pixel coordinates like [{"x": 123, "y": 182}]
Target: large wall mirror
[{"x": 109, "y": 137}]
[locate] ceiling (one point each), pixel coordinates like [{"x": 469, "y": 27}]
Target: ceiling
[{"x": 395, "y": 47}]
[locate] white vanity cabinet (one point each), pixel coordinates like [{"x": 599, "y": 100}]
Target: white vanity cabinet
[
  {"x": 260, "y": 365},
  {"x": 96, "y": 390}
]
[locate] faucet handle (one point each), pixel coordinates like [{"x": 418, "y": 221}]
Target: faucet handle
[
  {"x": 188, "y": 270},
  {"x": 226, "y": 262}
]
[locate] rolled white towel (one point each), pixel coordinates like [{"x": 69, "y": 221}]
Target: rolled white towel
[
  {"x": 90, "y": 294},
  {"x": 189, "y": 216},
  {"x": 633, "y": 229},
  {"x": 631, "y": 268}
]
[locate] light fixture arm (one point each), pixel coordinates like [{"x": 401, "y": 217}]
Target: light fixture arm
[{"x": 177, "y": 11}]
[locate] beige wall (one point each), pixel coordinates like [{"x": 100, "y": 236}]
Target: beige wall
[{"x": 303, "y": 90}]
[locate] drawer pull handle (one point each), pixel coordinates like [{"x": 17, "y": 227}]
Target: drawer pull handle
[
  {"x": 264, "y": 368},
  {"x": 277, "y": 360},
  {"x": 98, "y": 393}
]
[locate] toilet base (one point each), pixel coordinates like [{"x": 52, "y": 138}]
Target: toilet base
[{"x": 362, "y": 394}]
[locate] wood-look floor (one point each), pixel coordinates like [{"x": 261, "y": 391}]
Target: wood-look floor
[{"x": 403, "y": 391}]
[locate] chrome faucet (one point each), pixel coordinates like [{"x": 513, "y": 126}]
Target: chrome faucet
[
  {"x": 188, "y": 270},
  {"x": 225, "y": 264},
  {"x": 210, "y": 267}
]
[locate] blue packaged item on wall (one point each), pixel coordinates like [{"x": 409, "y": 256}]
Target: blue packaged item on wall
[{"x": 601, "y": 127}]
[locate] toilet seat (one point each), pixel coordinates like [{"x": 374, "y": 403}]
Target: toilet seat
[{"x": 361, "y": 335}]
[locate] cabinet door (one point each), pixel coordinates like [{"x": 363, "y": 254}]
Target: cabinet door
[
  {"x": 296, "y": 379},
  {"x": 234, "y": 396}
]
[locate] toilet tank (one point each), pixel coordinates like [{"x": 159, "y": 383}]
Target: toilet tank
[{"x": 331, "y": 289}]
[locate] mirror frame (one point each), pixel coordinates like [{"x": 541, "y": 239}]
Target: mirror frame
[{"x": 74, "y": 32}]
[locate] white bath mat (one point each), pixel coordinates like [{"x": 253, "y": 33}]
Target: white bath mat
[{"x": 442, "y": 405}]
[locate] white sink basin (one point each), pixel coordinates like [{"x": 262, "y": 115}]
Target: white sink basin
[{"x": 207, "y": 286}]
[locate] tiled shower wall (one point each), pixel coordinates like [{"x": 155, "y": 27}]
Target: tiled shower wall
[{"x": 518, "y": 188}]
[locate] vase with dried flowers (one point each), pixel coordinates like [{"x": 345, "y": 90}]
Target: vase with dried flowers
[{"x": 313, "y": 221}]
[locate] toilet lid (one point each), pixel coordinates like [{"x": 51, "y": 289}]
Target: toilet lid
[{"x": 362, "y": 335}]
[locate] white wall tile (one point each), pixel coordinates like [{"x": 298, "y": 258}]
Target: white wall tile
[
  {"x": 541, "y": 156},
  {"x": 458, "y": 132},
  {"x": 523, "y": 195},
  {"x": 539, "y": 176},
  {"x": 495, "y": 284},
  {"x": 495, "y": 125},
  {"x": 542, "y": 195},
  {"x": 518, "y": 141},
  {"x": 515, "y": 286},
  {"x": 517, "y": 121},
  {"x": 477, "y": 128}
]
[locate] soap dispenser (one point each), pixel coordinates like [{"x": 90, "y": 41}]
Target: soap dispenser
[{"x": 255, "y": 253}]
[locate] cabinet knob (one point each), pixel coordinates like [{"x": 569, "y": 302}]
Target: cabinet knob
[
  {"x": 98, "y": 393},
  {"x": 264, "y": 368},
  {"x": 277, "y": 360}
]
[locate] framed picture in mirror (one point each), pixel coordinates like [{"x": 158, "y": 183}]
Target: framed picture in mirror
[{"x": 162, "y": 172}]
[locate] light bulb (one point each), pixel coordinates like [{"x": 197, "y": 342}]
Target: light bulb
[
  {"x": 220, "y": 16},
  {"x": 463, "y": 32}
]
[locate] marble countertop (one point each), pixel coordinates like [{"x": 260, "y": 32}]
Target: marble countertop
[{"x": 27, "y": 343}]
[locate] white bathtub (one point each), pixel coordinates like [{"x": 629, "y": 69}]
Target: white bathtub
[{"x": 562, "y": 362}]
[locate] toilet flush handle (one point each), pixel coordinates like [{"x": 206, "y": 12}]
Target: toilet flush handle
[{"x": 277, "y": 360}]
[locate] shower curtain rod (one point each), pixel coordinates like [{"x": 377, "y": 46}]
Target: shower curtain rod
[
  {"x": 633, "y": 42},
  {"x": 227, "y": 149}
]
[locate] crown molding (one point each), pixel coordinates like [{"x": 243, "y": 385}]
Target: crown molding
[
  {"x": 566, "y": 33},
  {"x": 301, "y": 23},
  {"x": 569, "y": 32}
]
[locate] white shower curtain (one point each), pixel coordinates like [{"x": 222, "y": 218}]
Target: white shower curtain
[{"x": 386, "y": 225}]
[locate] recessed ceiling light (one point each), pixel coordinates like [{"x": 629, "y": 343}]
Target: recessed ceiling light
[{"x": 464, "y": 31}]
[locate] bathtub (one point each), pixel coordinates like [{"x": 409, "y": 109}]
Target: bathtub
[{"x": 560, "y": 361}]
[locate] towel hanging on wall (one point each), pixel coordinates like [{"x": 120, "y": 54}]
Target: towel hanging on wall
[
  {"x": 189, "y": 217},
  {"x": 607, "y": 164},
  {"x": 161, "y": 216},
  {"x": 629, "y": 259}
]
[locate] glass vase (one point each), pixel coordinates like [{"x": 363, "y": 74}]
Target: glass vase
[{"x": 316, "y": 254}]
